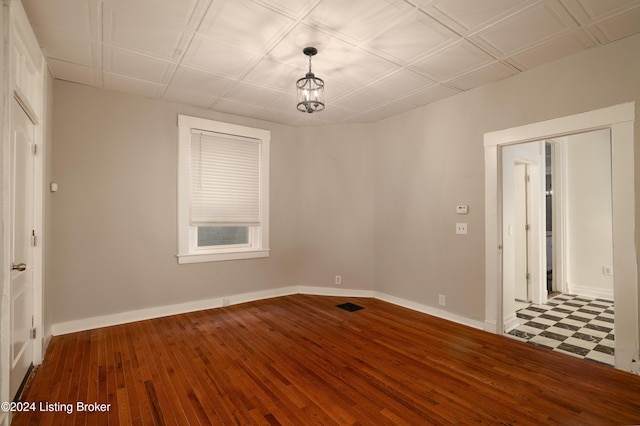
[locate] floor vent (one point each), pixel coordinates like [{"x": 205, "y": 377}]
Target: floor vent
[{"x": 349, "y": 307}]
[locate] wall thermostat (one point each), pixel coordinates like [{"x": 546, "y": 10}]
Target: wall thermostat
[{"x": 462, "y": 209}]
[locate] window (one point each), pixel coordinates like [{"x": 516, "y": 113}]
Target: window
[{"x": 223, "y": 191}]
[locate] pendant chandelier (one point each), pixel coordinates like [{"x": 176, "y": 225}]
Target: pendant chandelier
[{"x": 310, "y": 88}]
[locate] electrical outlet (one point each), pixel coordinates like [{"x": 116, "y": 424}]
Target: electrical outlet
[
  {"x": 338, "y": 280},
  {"x": 606, "y": 270},
  {"x": 442, "y": 301},
  {"x": 461, "y": 228}
]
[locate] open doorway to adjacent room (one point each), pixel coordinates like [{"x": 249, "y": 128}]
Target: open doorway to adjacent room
[
  {"x": 573, "y": 313},
  {"x": 596, "y": 282}
]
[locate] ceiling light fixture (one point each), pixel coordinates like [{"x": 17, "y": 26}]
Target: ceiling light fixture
[{"x": 310, "y": 88}]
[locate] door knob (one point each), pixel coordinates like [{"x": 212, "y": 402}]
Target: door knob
[{"x": 19, "y": 267}]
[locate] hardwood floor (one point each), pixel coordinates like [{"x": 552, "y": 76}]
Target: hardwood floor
[{"x": 300, "y": 360}]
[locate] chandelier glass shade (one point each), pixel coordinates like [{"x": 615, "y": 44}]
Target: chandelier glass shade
[{"x": 310, "y": 88}]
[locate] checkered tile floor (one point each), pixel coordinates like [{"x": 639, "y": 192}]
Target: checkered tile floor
[{"x": 576, "y": 325}]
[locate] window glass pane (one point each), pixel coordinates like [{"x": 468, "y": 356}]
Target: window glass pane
[{"x": 222, "y": 235}]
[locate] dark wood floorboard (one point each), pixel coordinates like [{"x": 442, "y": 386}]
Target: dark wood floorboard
[{"x": 299, "y": 360}]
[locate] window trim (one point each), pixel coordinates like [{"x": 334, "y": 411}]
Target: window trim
[{"x": 259, "y": 247}]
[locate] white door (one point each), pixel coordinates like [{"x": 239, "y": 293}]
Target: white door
[
  {"x": 521, "y": 232},
  {"x": 22, "y": 220}
]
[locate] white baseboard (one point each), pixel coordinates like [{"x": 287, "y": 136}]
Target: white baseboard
[
  {"x": 260, "y": 295},
  {"x": 596, "y": 293},
  {"x": 163, "y": 311},
  {"x": 491, "y": 326},
  {"x": 132, "y": 316},
  {"x": 430, "y": 310},
  {"x": 510, "y": 322},
  {"x": 218, "y": 302},
  {"x": 331, "y": 291}
]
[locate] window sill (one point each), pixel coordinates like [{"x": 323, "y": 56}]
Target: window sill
[{"x": 217, "y": 257}]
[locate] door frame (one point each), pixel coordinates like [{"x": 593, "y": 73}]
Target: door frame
[
  {"x": 620, "y": 120},
  {"x": 21, "y": 47},
  {"x": 558, "y": 213}
]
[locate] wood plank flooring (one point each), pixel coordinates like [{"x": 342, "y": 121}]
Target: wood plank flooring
[{"x": 299, "y": 360}]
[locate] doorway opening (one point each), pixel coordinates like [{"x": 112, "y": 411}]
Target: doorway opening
[
  {"x": 619, "y": 121},
  {"x": 581, "y": 322},
  {"x": 549, "y": 209}
]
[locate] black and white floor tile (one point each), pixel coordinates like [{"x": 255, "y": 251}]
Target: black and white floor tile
[{"x": 576, "y": 325}]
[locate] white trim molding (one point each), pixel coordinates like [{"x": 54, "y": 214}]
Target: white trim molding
[
  {"x": 596, "y": 293},
  {"x": 337, "y": 292},
  {"x": 430, "y": 310},
  {"x": 23, "y": 80},
  {"x": 511, "y": 321},
  {"x": 258, "y": 245},
  {"x": 219, "y": 302},
  {"x": 166, "y": 310}
]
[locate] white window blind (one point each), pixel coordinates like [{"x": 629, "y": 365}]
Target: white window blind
[{"x": 225, "y": 180}]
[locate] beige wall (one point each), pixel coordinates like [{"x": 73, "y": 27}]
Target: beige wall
[
  {"x": 114, "y": 216},
  {"x": 432, "y": 158},
  {"x": 114, "y": 234},
  {"x": 374, "y": 203},
  {"x": 426, "y": 164},
  {"x": 336, "y": 206}
]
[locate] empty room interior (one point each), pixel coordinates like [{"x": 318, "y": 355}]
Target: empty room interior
[{"x": 320, "y": 212}]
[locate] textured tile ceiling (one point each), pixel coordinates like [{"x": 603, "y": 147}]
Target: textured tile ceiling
[{"x": 378, "y": 58}]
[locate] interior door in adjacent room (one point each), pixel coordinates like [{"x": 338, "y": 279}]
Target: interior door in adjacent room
[{"x": 521, "y": 232}]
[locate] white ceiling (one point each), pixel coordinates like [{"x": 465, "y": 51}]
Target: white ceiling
[{"x": 378, "y": 58}]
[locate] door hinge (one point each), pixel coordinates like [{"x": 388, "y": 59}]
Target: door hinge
[
  {"x": 526, "y": 227},
  {"x": 527, "y": 276},
  {"x": 33, "y": 333},
  {"x": 34, "y": 239},
  {"x": 34, "y": 150}
]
